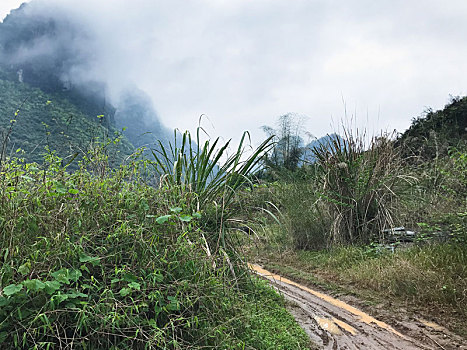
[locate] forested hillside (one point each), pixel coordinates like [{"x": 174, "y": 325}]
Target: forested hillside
[
  {"x": 31, "y": 119},
  {"x": 432, "y": 134},
  {"x": 45, "y": 74}
]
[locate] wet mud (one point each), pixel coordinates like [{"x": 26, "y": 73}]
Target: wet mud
[{"x": 333, "y": 324}]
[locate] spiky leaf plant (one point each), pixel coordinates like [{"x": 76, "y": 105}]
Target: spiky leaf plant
[{"x": 192, "y": 166}]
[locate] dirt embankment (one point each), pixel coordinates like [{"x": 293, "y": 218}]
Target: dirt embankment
[{"x": 334, "y": 324}]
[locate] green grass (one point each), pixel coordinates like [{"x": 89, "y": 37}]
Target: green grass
[
  {"x": 101, "y": 260},
  {"x": 264, "y": 315},
  {"x": 430, "y": 279}
]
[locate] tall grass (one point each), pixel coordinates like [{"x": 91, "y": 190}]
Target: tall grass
[
  {"x": 305, "y": 220},
  {"x": 358, "y": 185},
  {"x": 437, "y": 202},
  {"x": 349, "y": 195}
]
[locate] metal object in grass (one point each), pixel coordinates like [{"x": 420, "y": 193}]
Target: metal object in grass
[{"x": 399, "y": 234}]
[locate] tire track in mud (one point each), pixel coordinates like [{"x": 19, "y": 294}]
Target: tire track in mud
[{"x": 332, "y": 324}]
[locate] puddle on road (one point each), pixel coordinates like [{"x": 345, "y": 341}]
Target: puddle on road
[
  {"x": 328, "y": 325},
  {"x": 362, "y": 316},
  {"x": 433, "y": 325},
  {"x": 345, "y": 326}
]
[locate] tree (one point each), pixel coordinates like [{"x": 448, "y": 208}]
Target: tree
[{"x": 289, "y": 145}]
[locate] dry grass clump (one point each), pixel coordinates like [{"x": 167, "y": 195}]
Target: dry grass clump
[{"x": 358, "y": 185}]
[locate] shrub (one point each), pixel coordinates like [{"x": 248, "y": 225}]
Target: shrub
[
  {"x": 357, "y": 186},
  {"x": 100, "y": 260}
]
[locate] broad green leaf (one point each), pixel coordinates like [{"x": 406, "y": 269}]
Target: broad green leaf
[
  {"x": 74, "y": 274},
  {"x": 163, "y": 219},
  {"x": 174, "y": 305},
  {"x": 73, "y": 191},
  {"x": 197, "y": 215},
  {"x": 12, "y": 289},
  {"x": 61, "y": 276},
  {"x": 176, "y": 210},
  {"x": 52, "y": 286},
  {"x": 186, "y": 218},
  {"x": 34, "y": 285},
  {"x": 128, "y": 277},
  {"x": 25, "y": 268},
  {"x": 86, "y": 258},
  {"x": 125, "y": 291},
  {"x": 58, "y": 298},
  {"x": 60, "y": 188},
  {"x": 134, "y": 285}
]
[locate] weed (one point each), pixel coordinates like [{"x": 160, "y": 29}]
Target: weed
[
  {"x": 358, "y": 185},
  {"x": 98, "y": 259}
]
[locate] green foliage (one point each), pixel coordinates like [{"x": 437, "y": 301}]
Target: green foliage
[
  {"x": 193, "y": 166},
  {"x": 100, "y": 260},
  {"x": 191, "y": 170},
  {"x": 304, "y": 221},
  {"x": 288, "y": 148},
  {"x": 430, "y": 136},
  {"x": 436, "y": 204},
  {"x": 353, "y": 189},
  {"x": 350, "y": 195},
  {"x": 50, "y": 120}
]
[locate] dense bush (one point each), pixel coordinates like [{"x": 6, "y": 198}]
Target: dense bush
[
  {"x": 350, "y": 195},
  {"x": 358, "y": 185},
  {"x": 100, "y": 260},
  {"x": 436, "y": 204}
]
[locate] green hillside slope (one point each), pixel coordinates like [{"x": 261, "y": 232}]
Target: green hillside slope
[
  {"x": 49, "y": 120},
  {"x": 432, "y": 134}
]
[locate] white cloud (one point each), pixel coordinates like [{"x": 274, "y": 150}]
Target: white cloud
[{"x": 244, "y": 63}]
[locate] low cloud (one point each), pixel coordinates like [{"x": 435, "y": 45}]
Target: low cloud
[{"x": 244, "y": 63}]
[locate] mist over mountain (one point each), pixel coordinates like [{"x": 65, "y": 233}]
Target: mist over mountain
[{"x": 67, "y": 47}]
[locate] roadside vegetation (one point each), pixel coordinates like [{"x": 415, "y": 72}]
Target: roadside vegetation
[
  {"x": 110, "y": 247},
  {"x": 109, "y": 258},
  {"x": 333, "y": 217}
]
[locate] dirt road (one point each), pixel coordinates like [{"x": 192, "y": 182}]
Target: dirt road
[{"x": 333, "y": 324}]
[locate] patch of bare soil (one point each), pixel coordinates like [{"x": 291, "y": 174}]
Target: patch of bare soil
[{"x": 334, "y": 324}]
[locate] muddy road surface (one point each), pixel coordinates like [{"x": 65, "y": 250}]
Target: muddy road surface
[{"x": 334, "y": 324}]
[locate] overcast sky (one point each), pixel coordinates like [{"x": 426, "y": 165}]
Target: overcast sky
[{"x": 243, "y": 63}]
